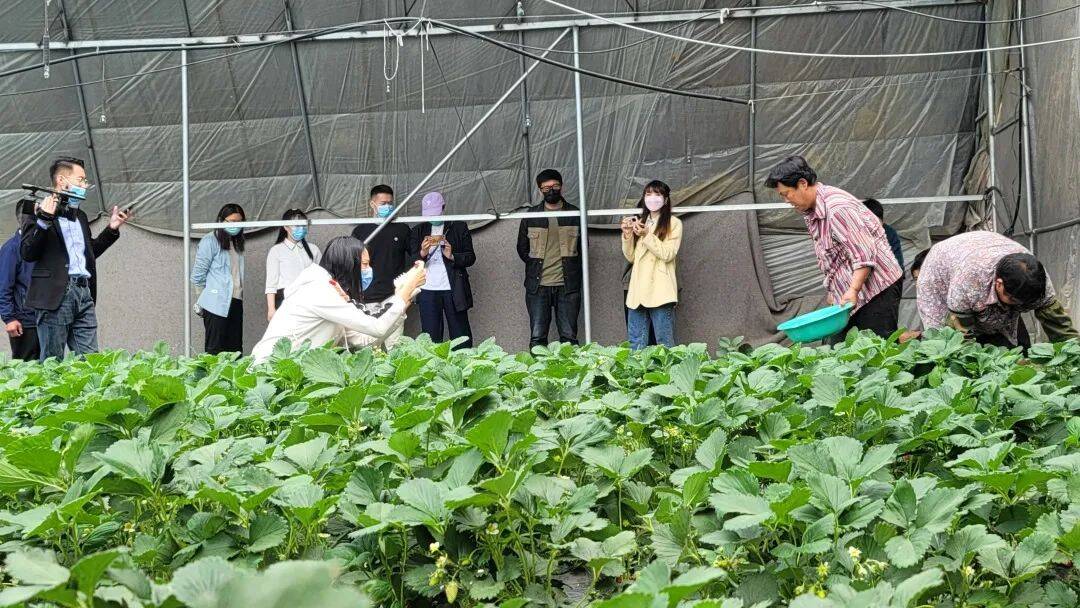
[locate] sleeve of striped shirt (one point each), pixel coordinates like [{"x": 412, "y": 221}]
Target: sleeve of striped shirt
[{"x": 850, "y": 232}]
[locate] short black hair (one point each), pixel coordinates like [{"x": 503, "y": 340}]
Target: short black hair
[
  {"x": 917, "y": 262},
  {"x": 547, "y": 175},
  {"x": 789, "y": 172},
  {"x": 875, "y": 207},
  {"x": 64, "y": 163},
  {"x": 381, "y": 189},
  {"x": 1024, "y": 277}
]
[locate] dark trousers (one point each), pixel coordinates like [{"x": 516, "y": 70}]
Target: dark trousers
[
  {"x": 566, "y": 304},
  {"x": 279, "y": 297},
  {"x": 225, "y": 334},
  {"x": 626, "y": 317},
  {"x": 437, "y": 305},
  {"x": 881, "y": 314},
  {"x": 26, "y": 346},
  {"x": 73, "y": 325},
  {"x": 1023, "y": 338}
]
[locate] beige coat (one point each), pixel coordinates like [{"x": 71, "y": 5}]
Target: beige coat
[{"x": 652, "y": 280}]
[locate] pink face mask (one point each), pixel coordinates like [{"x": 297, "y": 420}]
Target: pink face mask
[{"x": 654, "y": 202}]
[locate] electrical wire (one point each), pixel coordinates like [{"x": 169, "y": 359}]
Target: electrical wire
[
  {"x": 951, "y": 19},
  {"x": 445, "y": 25},
  {"x": 649, "y": 38},
  {"x": 733, "y": 47}
]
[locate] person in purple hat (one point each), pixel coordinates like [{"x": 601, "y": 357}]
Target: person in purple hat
[{"x": 447, "y": 251}]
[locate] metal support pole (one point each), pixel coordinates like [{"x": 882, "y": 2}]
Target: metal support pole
[
  {"x": 1025, "y": 127},
  {"x": 186, "y": 188},
  {"x": 303, "y": 107},
  {"x": 526, "y": 118},
  {"x": 95, "y": 175},
  {"x": 582, "y": 206},
  {"x": 461, "y": 142},
  {"x": 991, "y": 180},
  {"x": 752, "y": 165}
]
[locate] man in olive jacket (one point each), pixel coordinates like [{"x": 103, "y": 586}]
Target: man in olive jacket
[{"x": 551, "y": 250}]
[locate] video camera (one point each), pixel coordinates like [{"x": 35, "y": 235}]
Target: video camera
[{"x": 62, "y": 198}]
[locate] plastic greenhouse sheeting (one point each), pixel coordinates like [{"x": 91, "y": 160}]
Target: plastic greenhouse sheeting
[{"x": 883, "y": 128}]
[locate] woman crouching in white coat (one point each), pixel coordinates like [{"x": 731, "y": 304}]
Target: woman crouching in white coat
[{"x": 320, "y": 306}]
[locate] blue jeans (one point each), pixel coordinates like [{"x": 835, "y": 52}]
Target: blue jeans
[
  {"x": 662, "y": 321},
  {"x": 73, "y": 324}
]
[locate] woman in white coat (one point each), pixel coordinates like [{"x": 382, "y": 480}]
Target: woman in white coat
[{"x": 320, "y": 307}]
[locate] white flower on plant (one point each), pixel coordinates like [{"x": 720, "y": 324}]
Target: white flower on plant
[
  {"x": 433, "y": 547},
  {"x": 854, "y": 552}
]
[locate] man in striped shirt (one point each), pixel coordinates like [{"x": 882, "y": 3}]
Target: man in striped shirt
[{"x": 850, "y": 245}]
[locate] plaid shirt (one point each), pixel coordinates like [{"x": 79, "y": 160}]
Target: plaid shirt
[
  {"x": 848, "y": 236},
  {"x": 957, "y": 279}
]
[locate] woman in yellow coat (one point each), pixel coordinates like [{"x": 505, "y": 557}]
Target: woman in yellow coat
[{"x": 650, "y": 243}]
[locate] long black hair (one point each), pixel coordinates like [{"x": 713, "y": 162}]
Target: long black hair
[
  {"x": 224, "y": 238},
  {"x": 342, "y": 260},
  {"x": 663, "y": 225},
  {"x": 294, "y": 214}
]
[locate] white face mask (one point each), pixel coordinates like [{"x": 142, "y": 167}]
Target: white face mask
[{"x": 654, "y": 202}]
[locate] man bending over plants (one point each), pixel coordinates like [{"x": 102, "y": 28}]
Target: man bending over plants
[{"x": 980, "y": 282}]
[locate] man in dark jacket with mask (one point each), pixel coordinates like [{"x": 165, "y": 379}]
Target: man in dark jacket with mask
[{"x": 550, "y": 248}]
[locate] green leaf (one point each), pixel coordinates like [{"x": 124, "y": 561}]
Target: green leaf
[
  {"x": 13, "y": 478},
  {"x": 615, "y": 462},
  {"x": 16, "y": 596},
  {"x": 36, "y": 567},
  {"x": 914, "y": 586},
  {"x": 779, "y": 471},
  {"x": 158, "y": 391},
  {"x": 425, "y": 496},
  {"x": 199, "y": 583},
  {"x": 711, "y": 451},
  {"x": 311, "y": 456},
  {"x": 1032, "y": 554},
  {"x": 139, "y": 460},
  {"x": 267, "y": 531},
  {"x": 289, "y": 585},
  {"x": 689, "y": 582},
  {"x": 970, "y": 540},
  {"x": 828, "y": 390},
  {"x": 322, "y": 366},
  {"x": 907, "y": 550},
  {"x": 89, "y": 570},
  {"x": 490, "y": 434}
]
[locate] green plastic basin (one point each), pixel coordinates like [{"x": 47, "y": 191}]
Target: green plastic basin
[{"x": 817, "y": 325}]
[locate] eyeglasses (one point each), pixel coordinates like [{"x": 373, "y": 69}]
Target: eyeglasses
[{"x": 550, "y": 188}]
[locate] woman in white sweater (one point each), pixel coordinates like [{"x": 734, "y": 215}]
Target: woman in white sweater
[{"x": 320, "y": 306}]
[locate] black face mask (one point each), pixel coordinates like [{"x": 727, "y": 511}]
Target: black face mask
[{"x": 553, "y": 196}]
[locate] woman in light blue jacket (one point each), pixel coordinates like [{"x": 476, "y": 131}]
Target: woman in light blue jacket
[{"x": 219, "y": 272}]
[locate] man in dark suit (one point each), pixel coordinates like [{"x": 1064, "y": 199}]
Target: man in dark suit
[
  {"x": 447, "y": 251},
  {"x": 63, "y": 284}
]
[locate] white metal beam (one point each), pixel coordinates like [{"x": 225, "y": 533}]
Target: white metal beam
[
  {"x": 194, "y": 42},
  {"x": 488, "y": 217}
]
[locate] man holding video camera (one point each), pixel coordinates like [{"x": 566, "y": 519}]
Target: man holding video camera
[{"x": 63, "y": 283}]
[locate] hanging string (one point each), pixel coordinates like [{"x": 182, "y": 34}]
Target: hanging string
[
  {"x": 45, "y": 42},
  {"x": 387, "y": 75},
  {"x": 423, "y": 47},
  {"x": 105, "y": 89}
]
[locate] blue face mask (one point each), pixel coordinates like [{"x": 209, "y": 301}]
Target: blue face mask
[
  {"x": 78, "y": 191},
  {"x": 234, "y": 231},
  {"x": 384, "y": 210},
  {"x": 298, "y": 234},
  {"x": 366, "y": 276}
]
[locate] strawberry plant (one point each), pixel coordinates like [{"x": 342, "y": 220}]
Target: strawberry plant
[{"x": 936, "y": 472}]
